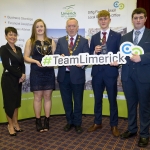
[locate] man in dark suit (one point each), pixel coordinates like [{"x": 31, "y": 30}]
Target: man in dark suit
[
  {"x": 136, "y": 79},
  {"x": 105, "y": 75},
  {"x": 72, "y": 79}
]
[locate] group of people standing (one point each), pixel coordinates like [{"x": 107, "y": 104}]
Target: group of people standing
[{"x": 71, "y": 79}]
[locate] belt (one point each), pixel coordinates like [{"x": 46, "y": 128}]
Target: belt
[{"x": 67, "y": 71}]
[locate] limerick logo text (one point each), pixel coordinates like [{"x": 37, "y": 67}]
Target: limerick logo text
[
  {"x": 83, "y": 59},
  {"x": 68, "y": 12},
  {"x": 127, "y": 48}
]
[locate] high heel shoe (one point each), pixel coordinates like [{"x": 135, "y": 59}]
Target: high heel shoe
[
  {"x": 11, "y": 134},
  {"x": 19, "y": 130},
  {"x": 46, "y": 124},
  {"x": 39, "y": 127}
]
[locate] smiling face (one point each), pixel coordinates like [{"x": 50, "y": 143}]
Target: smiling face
[
  {"x": 72, "y": 27},
  {"x": 40, "y": 28},
  {"x": 11, "y": 37},
  {"x": 138, "y": 21}
]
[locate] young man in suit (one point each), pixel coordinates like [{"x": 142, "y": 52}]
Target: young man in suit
[
  {"x": 105, "y": 75},
  {"x": 72, "y": 79},
  {"x": 136, "y": 79}
]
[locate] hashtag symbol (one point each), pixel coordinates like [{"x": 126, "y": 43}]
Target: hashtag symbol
[{"x": 47, "y": 60}]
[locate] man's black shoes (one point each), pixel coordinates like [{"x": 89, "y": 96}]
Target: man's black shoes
[
  {"x": 68, "y": 127},
  {"x": 78, "y": 129},
  {"x": 143, "y": 142},
  {"x": 127, "y": 134}
]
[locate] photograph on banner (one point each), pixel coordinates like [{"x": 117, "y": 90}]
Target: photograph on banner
[{"x": 55, "y": 34}]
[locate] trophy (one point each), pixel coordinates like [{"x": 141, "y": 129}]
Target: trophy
[
  {"x": 44, "y": 49},
  {"x": 104, "y": 47}
]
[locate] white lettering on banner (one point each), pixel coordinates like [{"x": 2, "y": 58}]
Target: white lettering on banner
[{"x": 83, "y": 59}]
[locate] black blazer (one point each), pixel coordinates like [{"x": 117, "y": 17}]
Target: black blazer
[
  {"x": 12, "y": 62},
  {"x": 143, "y": 67}
]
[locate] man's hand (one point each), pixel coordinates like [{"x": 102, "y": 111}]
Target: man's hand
[
  {"x": 62, "y": 55},
  {"x": 135, "y": 58},
  {"x": 79, "y": 65},
  {"x": 115, "y": 63},
  {"x": 98, "y": 49}
]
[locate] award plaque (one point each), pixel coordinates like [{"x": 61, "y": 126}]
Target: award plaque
[
  {"x": 104, "y": 46},
  {"x": 44, "y": 49},
  {"x": 104, "y": 49}
]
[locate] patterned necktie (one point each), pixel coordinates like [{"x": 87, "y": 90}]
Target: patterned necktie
[
  {"x": 135, "y": 41},
  {"x": 70, "y": 50},
  {"x": 104, "y": 38},
  {"x": 71, "y": 43}
]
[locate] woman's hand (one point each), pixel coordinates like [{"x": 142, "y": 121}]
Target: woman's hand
[
  {"x": 22, "y": 79},
  {"x": 38, "y": 63}
]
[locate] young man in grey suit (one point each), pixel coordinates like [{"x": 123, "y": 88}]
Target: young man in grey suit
[
  {"x": 72, "y": 79},
  {"x": 136, "y": 79},
  {"x": 105, "y": 75}
]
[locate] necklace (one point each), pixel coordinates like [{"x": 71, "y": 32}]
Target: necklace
[
  {"x": 76, "y": 44},
  {"x": 14, "y": 49},
  {"x": 44, "y": 49}
]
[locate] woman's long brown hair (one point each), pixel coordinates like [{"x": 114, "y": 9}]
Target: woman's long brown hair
[{"x": 34, "y": 36}]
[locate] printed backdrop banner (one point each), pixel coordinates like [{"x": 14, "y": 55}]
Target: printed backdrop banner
[{"x": 21, "y": 15}]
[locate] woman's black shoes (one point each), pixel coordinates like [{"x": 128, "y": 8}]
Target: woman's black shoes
[
  {"x": 11, "y": 134},
  {"x": 39, "y": 127},
  {"x": 46, "y": 124},
  {"x": 14, "y": 134},
  {"x": 20, "y": 130}
]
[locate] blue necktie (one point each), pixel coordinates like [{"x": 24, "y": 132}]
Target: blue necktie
[{"x": 135, "y": 41}]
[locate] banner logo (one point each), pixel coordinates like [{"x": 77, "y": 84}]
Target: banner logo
[
  {"x": 82, "y": 59},
  {"x": 118, "y": 5},
  {"x": 127, "y": 48},
  {"x": 137, "y": 50},
  {"x": 68, "y": 12}
]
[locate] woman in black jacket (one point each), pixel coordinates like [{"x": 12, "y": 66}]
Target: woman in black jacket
[{"x": 12, "y": 78}]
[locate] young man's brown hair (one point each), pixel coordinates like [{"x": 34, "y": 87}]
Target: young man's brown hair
[{"x": 139, "y": 11}]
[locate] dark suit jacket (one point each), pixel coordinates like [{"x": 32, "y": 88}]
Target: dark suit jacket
[
  {"x": 113, "y": 42},
  {"x": 143, "y": 67},
  {"x": 77, "y": 74}
]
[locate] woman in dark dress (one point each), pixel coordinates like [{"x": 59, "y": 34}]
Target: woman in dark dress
[
  {"x": 42, "y": 79},
  {"x": 12, "y": 78}
]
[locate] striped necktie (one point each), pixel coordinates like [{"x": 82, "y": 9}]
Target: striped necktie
[{"x": 135, "y": 41}]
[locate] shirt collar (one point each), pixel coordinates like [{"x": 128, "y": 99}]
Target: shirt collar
[
  {"x": 74, "y": 37},
  {"x": 141, "y": 30},
  {"x": 108, "y": 30}
]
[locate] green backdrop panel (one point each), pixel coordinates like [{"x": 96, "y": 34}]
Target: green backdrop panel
[{"x": 26, "y": 109}]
